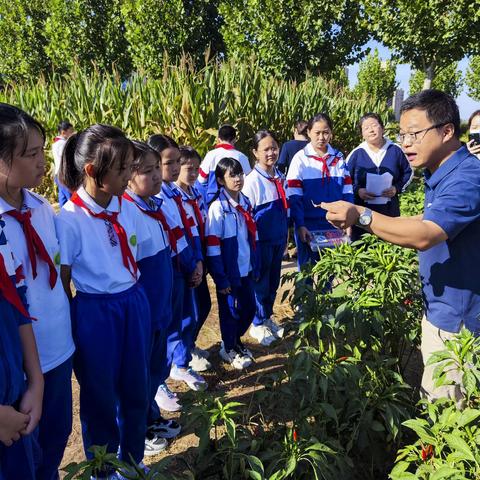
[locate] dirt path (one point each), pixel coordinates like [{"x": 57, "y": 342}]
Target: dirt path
[{"x": 222, "y": 378}]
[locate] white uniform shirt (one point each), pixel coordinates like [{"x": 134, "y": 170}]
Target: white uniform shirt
[
  {"x": 212, "y": 158},
  {"x": 57, "y": 150},
  {"x": 91, "y": 246},
  {"x": 49, "y": 306}
]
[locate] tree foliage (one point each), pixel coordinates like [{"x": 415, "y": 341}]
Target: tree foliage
[
  {"x": 288, "y": 36},
  {"x": 377, "y": 77},
  {"x": 449, "y": 80},
  {"x": 429, "y": 35},
  {"x": 472, "y": 78}
]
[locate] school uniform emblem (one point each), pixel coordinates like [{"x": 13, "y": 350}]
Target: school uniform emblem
[{"x": 133, "y": 240}]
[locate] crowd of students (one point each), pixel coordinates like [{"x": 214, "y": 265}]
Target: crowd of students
[{"x": 140, "y": 227}]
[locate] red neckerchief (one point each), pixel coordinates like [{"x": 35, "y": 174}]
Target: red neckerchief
[
  {"x": 8, "y": 290},
  {"x": 250, "y": 222},
  {"x": 280, "y": 190},
  {"x": 127, "y": 257},
  {"x": 183, "y": 214},
  {"x": 159, "y": 216},
  {"x": 56, "y": 139},
  {"x": 323, "y": 161},
  {"x": 35, "y": 245},
  {"x": 198, "y": 215},
  {"x": 226, "y": 146}
]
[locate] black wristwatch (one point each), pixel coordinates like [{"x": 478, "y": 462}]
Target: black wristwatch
[{"x": 365, "y": 218}]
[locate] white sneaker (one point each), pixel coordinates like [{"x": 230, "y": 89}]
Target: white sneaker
[
  {"x": 201, "y": 352},
  {"x": 166, "y": 399},
  {"x": 262, "y": 334},
  {"x": 236, "y": 359},
  {"x": 154, "y": 444},
  {"x": 199, "y": 363},
  {"x": 276, "y": 329},
  {"x": 195, "y": 381}
]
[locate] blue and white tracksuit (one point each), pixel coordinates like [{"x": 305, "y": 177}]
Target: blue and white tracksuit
[
  {"x": 232, "y": 262},
  {"x": 316, "y": 179},
  {"x": 271, "y": 216},
  {"x": 184, "y": 264}
]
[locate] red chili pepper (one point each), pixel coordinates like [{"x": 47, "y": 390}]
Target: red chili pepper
[
  {"x": 295, "y": 436},
  {"x": 341, "y": 359},
  {"x": 427, "y": 452},
  {"x": 407, "y": 302}
]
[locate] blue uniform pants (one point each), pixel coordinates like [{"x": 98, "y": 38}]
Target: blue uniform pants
[
  {"x": 112, "y": 335},
  {"x": 304, "y": 253},
  {"x": 64, "y": 193},
  {"x": 201, "y": 307},
  {"x": 56, "y": 422},
  {"x": 18, "y": 460},
  {"x": 236, "y": 311},
  {"x": 269, "y": 279}
]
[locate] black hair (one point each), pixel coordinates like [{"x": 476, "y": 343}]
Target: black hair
[
  {"x": 100, "y": 145},
  {"x": 374, "y": 116},
  {"x": 227, "y": 164},
  {"x": 472, "y": 116},
  {"x": 439, "y": 107},
  {"x": 161, "y": 142},
  {"x": 301, "y": 126},
  {"x": 188, "y": 153},
  {"x": 15, "y": 125},
  {"x": 142, "y": 149},
  {"x": 227, "y": 133},
  {"x": 260, "y": 135},
  {"x": 63, "y": 126},
  {"x": 320, "y": 117}
]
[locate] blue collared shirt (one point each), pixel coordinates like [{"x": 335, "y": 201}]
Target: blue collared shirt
[{"x": 450, "y": 271}]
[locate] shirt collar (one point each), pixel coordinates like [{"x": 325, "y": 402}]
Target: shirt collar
[
  {"x": 156, "y": 201},
  {"x": 309, "y": 151},
  {"x": 232, "y": 202},
  {"x": 384, "y": 147},
  {"x": 263, "y": 173},
  {"x": 433, "y": 179},
  {"x": 113, "y": 206},
  {"x": 30, "y": 201}
]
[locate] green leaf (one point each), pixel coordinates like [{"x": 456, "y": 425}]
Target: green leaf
[{"x": 455, "y": 442}]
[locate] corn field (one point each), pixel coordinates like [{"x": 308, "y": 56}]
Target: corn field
[{"x": 190, "y": 104}]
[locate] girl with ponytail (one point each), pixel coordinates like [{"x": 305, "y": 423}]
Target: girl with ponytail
[{"x": 99, "y": 237}]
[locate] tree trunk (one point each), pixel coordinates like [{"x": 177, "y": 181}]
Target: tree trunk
[{"x": 429, "y": 75}]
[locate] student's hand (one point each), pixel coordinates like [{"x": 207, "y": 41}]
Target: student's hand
[
  {"x": 474, "y": 149},
  {"x": 12, "y": 423},
  {"x": 304, "y": 235},
  {"x": 364, "y": 195},
  {"x": 342, "y": 214},
  {"x": 31, "y": 405},
  {"x": 196, "y": 276},
  {"x": 390, "y": 192},
  {"x": 225, "y": 291}
]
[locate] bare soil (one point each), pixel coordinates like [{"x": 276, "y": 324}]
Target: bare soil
[{"x": 222, "y": 378}]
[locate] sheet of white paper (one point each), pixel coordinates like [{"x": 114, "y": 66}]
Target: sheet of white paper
[{"x": 376, "y": 184}]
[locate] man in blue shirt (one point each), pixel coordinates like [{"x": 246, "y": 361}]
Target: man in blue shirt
[
  {"x": 290, "y": 148},
  {"x": 448, "y": 232}
]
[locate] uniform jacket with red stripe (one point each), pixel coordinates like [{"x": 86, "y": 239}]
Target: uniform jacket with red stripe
[{"x": 318, "y": 179}]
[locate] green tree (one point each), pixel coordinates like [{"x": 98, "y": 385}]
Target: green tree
[
  {"x": 377, "y": 77},
  {"x": 472, "y": 78},
  {"x": 86, "y": 31},
  {"x": 176, "y": 26},
  {"x": 22, "y": 41},
  {"x": 290, "y": 36},
  {"x": 449, "y": 79},
  {"x": 429, "y": 35}
]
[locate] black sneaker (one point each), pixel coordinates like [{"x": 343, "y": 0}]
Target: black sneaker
[{"x": 164, "y": 428}]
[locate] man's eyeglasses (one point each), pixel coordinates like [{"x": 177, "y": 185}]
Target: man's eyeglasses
[{"x": 412, "y": 137}]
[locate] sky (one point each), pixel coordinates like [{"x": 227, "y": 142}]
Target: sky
[{"x": 465, "y": 103}]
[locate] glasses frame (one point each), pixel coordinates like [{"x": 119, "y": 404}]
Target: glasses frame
[{"x": 413, "y": 135}]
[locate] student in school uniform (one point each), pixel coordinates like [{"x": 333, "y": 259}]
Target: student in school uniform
[
  {"x": 99, "y": 238},
  {"x": 265, "y": 188},
  {"x": 290, "y": 148},
  {"x": 187, "y": 275},
  {"x": 195, "y": 207},
  {"x": 231, "y": 258},
  {"x": 227, "y": 136},
  {"x": 377, "y": 155},
  {"x": 156, "y": 277},
  {"x": 318, "y": 173},
  {"x": 65, "y": 130},
  {"x": 30, "y": 231},
  {"x": 20, "y": 400}
]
